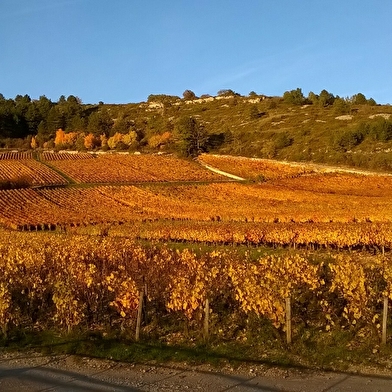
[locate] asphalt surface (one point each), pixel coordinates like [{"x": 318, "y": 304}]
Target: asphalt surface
[{"x": 34, "y": 372}]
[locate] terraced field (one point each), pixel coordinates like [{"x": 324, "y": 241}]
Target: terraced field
[
  {"x": 287, "y": 203},
  {"x": 119, "y": 168}
]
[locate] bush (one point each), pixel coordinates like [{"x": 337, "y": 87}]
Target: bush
[
  {"x": 340, "y": 106},
  {"x": 283, "y": 140},
  {"x": 381, "y": 130},
  {"x": 15, "y": 183},
  {"x": 294, "y": 97},
  {"x": 381, "y": 161},
  {"x": 348, "y": 139},
  {"x": 254, "y": 113}
]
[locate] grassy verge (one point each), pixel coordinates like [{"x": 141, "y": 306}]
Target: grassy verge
[
  {"x": 55, "y": 169},
  {"x": 314, "y": 350}
]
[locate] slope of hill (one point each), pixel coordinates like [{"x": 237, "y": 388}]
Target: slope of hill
[{"x": 352, "y": 131}]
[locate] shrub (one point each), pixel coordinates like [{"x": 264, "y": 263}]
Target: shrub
[
  {"x": 14, "y": 183},
  {"x": 294, "y": 97},
  {"x": 381, "y": 130},
  {"x": 348, "y": 139},
  {"x": 283, "y": 140}
]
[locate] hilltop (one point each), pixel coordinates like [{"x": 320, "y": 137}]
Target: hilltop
[{"x": 320, "y": 128}]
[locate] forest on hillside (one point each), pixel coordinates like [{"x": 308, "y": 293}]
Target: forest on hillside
[{"x": 353, "y": 131}]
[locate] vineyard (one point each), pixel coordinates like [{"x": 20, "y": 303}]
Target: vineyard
[
  {"x": 281, "y": 208},
  {"x": 15, "y": 155},
  {"x": 68, "y": 281},
  {"x": 254, "y": 168},
  {"x": 166, "y": 233},
  {"x": 60, "y": 156},
  {"x": 359, "y": 236},
  {"x": 29, "y": 172},
  {"x": 108, "y": 168},
  {"x": 322, "y": 209}
]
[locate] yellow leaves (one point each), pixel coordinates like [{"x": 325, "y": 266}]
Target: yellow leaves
[
  {"x": 357, "y": 283},
  {"x": 88, "y": 277},
  {"x": 5, "y": 303},
  {"x": 262, "y": 287},
  {"x": 109, "y": 278}
]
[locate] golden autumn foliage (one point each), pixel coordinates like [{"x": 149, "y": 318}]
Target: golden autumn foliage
[
  {"x": 60, "y": 136},
  {"x": 65, "y": 139},
  {"x": 90, "y": 141},
  {"x": 156, "y": 141},
  {"x": 127, "y": 139},
  {"x": 29, "y": 172},
  {"x": 104, "y": 140},
  {"x": 265, "y": 169},
  {"x": 33, "y": 143},
  {"x": 67, "y": 281}
]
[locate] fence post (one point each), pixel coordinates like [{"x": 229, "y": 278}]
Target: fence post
[
  {"x": 288, "y": 320},
  {"x": 206, "y": 319},
  {"x": 384, "y": 321},
  {"x": 139, "y": 314}
]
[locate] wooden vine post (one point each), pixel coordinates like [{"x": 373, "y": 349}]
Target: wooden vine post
[
  {"x": 206, "y": 319},
  {"x": 139, "y": 315},
  {"x": 384, "y": 321},
  {"x": 288, "y": 320}
]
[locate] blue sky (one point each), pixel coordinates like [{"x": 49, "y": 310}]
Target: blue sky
[{"x": 121, "y": 51}]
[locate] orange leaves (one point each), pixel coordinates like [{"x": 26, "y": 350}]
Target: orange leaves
[
  {"x": 127, "y": 296},
  {"x": 324, "y": 235},
  {"x": 384, "y": 265},
  {"x": 262, "y": 287},
  {"x": 5, "y": 304},
  {"x": 65, "y": 140},
  {"x": 117, "y": 168},
  {"x": 349, "y": 279},
  {"x": 187, "y": 285},
  {"x": 156, "y": 141},
  {"x": 91, "y": 141},
  {"x": 60, "y": 137},
  {"x": 264, "y": 169},
  {"x": 28, "y": 172},
  {"x": 87, "y": 281}
]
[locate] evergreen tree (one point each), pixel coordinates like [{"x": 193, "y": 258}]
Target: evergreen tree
[
  {"x": 191, "y": 136},
  {"x": 294, "y": 97}
]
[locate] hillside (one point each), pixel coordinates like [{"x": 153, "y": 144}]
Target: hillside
[
  {"x": 83, "y": 237},
  {"x": 352, "y": 131},
  {"x": 52, "y": 191}
]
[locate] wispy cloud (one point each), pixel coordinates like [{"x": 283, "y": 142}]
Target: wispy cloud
[{"x": 276, "y": 65}]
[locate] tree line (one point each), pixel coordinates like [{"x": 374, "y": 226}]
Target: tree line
[
  {"x": 325, "y": 98},
  {"x": 22, "y": 118},
  {"x": 69, "y": 124}
]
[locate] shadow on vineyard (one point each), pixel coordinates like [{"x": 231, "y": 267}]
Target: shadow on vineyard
[{"x": 15, "y": 183}]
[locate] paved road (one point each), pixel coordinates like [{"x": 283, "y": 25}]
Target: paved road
[{"x": 37, "y": 373}]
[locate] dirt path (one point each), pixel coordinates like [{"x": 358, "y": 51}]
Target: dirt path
[
  {"x": 225, "y": 174},
  {"x": 317, "y": 168},
  {"x": 37, "y": 373}
]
